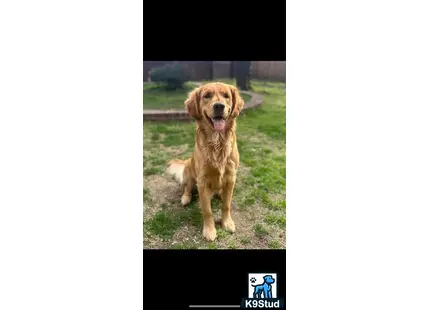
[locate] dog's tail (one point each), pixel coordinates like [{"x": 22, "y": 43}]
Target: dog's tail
[{"x": 176, "y": 169}]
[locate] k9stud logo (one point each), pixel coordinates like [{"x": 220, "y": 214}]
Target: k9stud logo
[{"x": 262, "y": 291}]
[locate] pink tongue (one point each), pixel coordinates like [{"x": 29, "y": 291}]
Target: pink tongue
[{"x": 219, "y": 124}]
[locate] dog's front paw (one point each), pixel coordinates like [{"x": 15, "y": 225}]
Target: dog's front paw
[
  {"x": 185, "y": 199},
  {"x": 209, "y": 233},
  {"x": 228, "y": 224}
]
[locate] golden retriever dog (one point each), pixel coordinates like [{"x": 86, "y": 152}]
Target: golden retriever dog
[{"x": 215, "y": 160}]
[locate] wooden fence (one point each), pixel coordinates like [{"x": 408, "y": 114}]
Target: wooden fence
[
  {"x": 268, "y": 70},
  {"x": 209, "y": 70}
]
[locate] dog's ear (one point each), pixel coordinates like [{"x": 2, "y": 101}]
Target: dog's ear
[
  {"x": 237, "y": 102},
  {"x": 193, "y": 104}
]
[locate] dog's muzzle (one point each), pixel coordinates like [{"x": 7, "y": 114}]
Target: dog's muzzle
[{"x": 218, "y": 109}]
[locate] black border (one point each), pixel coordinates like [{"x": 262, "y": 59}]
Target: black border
[
  {"x": 179, "y": 278},
  {"x": 221, "y": 30},
  {"x": 231, "y": 30}
]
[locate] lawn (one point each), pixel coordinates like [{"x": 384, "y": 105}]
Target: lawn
[
  {"x": 155, "y": 97},
  {"x": 259, "y": 209}
]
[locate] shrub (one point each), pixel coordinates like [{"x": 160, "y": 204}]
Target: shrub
[{"x": 172, "y": 76}]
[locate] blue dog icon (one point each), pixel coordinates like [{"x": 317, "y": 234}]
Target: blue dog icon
[{"x": 265, "y": 287}]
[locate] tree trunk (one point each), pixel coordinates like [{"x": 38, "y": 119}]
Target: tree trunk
[{"x": 243, "y": 74}]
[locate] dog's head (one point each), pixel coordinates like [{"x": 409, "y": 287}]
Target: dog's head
[
  {"x": 269, "y": 279},
  {"x": 214, "y": 105}
]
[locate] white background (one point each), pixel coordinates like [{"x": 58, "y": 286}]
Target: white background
[
  {"x": 71, "y": 155},
  {"x": 358, "y": 168},
  {"x": 358, "y": 155},
  {"x": 260, "y": 280}
]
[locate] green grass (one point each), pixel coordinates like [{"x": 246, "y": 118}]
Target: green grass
[
  {"x": 232, "y": 245},
  {"x": 275, "y": 219},
  {"x": 222, "y": 234},
  {"x": 162, "y": 225},
  {"x": 158, "y": 98},
  {"x": 245, "y": 240},
  {"x": 260, "y": 230},
  {"x": 184, "y": 246},
  {"x": 146, "y": 194},
  {"x": 246, "y": 97},
  {"x": 259, "y": 194},
  {"x": 275, "y": 244},
  {"x": 152, "y": 170}
]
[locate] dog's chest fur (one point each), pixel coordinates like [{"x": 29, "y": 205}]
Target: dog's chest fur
[{"x": 217, "y": 150}]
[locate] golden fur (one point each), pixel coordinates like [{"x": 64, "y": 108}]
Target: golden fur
[{"x": 215, "y": 159}]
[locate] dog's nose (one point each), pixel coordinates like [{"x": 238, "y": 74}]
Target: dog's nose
[{"x": 218, "y": 107}]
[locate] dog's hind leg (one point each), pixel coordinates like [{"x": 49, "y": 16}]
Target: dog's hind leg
[
  {"x": 188, "y": 185},
  {"x": 186, "y": 196}
]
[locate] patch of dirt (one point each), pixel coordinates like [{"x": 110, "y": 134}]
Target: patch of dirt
[
  {"x": 242, "y": 171},
  {"x": 163, "y": 189},
  {"x": 149, "y": 210},
  {"x": 187, "y": 234},
  {"x": 258, "y": 137},
  {"x": 174, "y": 150},
  {"x": 152, "y": 242},
  {"x": 245, "y": 221},
  {"x": 276, "y": 197}
]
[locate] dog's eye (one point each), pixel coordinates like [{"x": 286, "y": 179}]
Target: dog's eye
[
  {"x": 225, "y": 95},
  {"x": 208, "y": 95}
]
